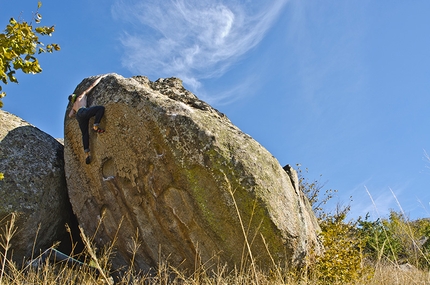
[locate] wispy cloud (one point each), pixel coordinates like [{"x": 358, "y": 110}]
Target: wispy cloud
[{"x": 190, "y": 39}]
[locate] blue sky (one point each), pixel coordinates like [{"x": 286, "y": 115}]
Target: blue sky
[{"x": 341, "y": 87}]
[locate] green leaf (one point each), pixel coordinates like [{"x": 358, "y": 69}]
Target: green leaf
[{"x": 39, "y": 4}]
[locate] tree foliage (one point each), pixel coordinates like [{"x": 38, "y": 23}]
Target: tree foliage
[
  {"x": 397, "y": 239},
  {"x": 19, "y": 43}
]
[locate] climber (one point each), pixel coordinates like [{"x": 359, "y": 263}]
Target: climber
[{"x": 83, "y": 115}]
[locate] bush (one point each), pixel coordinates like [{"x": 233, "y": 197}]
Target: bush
[
  {"x": 342, "y": 260},
  {"x": 397, "y": 239}
]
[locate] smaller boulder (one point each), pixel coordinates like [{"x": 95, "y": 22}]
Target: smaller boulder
[{"x": 34, "y": 187}]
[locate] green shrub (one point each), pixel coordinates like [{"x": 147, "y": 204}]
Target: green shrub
[
  {"x": 397, "y": 239},
  {"x": 342, "y": 260}
]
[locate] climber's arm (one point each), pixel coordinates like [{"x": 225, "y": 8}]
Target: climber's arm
[
  {"x": 72, "y": 113},
  {"x": 92, "y": 85},
  {"x": 81, "y": 100}
]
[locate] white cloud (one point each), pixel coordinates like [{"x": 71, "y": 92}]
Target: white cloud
[{"x": 190, "y": 39}]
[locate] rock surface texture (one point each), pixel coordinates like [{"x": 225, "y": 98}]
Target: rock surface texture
[
  {"x": 182, "y": 181},
  {"x": 34, "y": 186}
]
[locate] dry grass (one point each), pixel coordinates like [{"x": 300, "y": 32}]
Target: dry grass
[
  {"x": 391, "y": 274},
  {"x": 96, "y": 269},
  {"x": 49, "y": 273}
]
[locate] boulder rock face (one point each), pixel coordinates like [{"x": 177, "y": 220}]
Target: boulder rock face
[
  {"x": 175, "y": 176},
  {"x": 34, "y": 186}
]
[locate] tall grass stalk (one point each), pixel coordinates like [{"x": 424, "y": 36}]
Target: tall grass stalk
[
  {"x": 244, "y": 232},
  {"x": 94, "y": 258},
  {"x": 381, "y": 251},
  {"x": 6, "y": 237},
  {"x": 409, "y": 231}
]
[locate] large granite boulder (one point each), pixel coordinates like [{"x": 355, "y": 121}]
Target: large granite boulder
[
  {"x": 179, "y": 176},
  {"x": 34, "y": 187}
]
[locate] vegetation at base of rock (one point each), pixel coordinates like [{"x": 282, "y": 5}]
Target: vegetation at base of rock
[
  {"x": 398, "y": 240},
  {"x": 19, "y": 43},
  {"x": 391, "y": 250},
  {"x": 342, "y": 260},
  {"x": 356, "y": 249}
]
